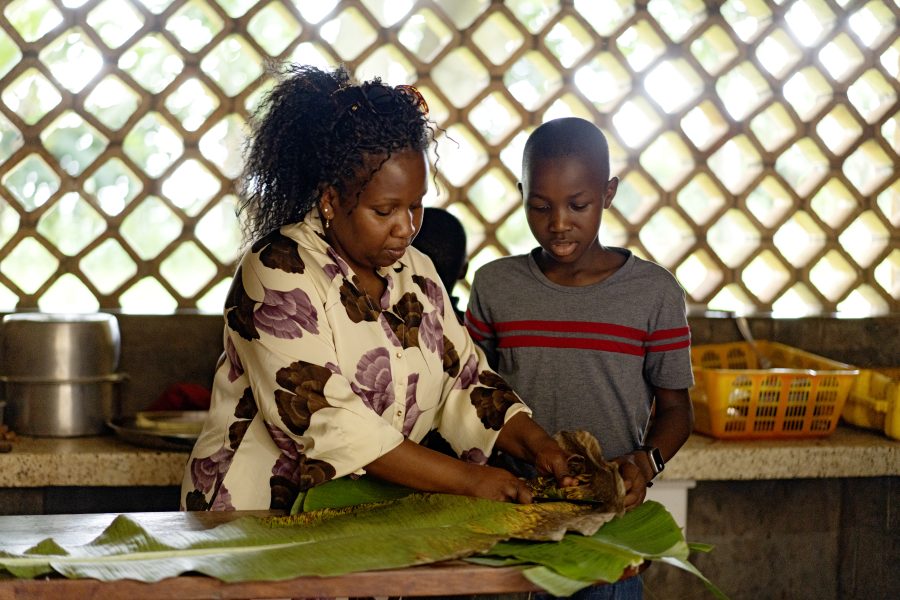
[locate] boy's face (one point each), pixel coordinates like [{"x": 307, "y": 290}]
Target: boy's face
[{"x": 564, "y": 201}]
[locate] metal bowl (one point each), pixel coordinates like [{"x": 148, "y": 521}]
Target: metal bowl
[{"x": 59, "y": 346}]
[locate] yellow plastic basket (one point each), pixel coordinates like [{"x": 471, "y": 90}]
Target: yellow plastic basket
[
  {"x": 874, "y": 401},
  {"x": 802, "y": 395}
]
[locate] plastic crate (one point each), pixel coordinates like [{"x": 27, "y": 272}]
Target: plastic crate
[
  {"x": 802, "y": 395},
  {"x": 874, "y": 401}
]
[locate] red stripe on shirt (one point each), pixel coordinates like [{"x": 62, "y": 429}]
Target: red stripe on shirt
[
  {"x": 667, "y": 347},
  {"x": 543, "y": 341},
  {"x": 474, "y": 325},
  {"x": 665, "y": 334},
  {"x": 573, "y": 327}
]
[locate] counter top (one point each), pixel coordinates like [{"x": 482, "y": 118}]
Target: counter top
[{"x": 107, "y": 461}]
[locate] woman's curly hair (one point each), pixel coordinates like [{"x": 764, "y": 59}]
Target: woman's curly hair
[{"x": 316, "y": 129}]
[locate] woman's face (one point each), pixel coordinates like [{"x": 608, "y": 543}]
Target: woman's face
[{"x": 375, "y": 231}]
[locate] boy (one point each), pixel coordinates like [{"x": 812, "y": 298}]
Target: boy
[{"x": 590, "y": 336}]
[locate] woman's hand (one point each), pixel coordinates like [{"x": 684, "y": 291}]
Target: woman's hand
[
  {"x": 634, "y": 474},
  {"x": 551, "y": 459},
  {"x": 524, "y": 439},
  {"x": 497, "y": 484}
]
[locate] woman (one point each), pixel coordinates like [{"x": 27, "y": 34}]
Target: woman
[{"x": 341, "y": 346}]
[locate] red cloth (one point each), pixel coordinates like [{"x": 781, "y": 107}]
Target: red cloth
[{"x": 182, "y": 396}]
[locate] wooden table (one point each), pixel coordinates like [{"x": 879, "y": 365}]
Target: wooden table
[{"x": 18, "y": 533}]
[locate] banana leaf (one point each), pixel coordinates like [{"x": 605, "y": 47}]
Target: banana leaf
[{"x": 415, "y": 529}]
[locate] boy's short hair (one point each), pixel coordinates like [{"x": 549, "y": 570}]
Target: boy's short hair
[
  {"x": 568, "y": 136},
  {"x": 443, "y": 239}
]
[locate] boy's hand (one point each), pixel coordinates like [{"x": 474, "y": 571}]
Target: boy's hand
[{"x": 633, "y": 474}]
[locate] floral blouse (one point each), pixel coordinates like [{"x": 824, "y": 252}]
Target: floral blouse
[{"x": 318, "y": 379}]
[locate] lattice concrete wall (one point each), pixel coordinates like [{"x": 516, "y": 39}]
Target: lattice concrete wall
[{"x": 756, "y": 142}]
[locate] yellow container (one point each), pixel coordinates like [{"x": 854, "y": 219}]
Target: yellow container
[
  {"x": 874, "y": 401},
  {"x": 802, "y": 395}
]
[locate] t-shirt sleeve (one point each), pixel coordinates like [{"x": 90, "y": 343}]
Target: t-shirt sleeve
[
  {"x": 668, "y": 363},
  {"x": 478, "y": 321}
]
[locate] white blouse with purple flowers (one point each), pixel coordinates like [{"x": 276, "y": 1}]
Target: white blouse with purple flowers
[{"x": 318, "y": 379}]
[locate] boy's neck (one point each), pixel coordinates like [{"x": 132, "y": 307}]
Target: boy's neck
[{"x": 591, "y": 268}]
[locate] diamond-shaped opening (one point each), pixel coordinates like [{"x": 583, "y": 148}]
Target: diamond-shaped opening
[
  {"x": 605, "y": 17},
  {"x": 115, "y": 22},
  {"x": 803, "y": 166},
  {"x": 190, "y": 187},
  {"x": 568, "y": 41},
  {"x": 612, "y": 230},
  {"x": 532, "y": 80},
  {"x": 188, "y": 269},
  {"x": 152, "y": 144},
  {"x": 796, "y": 302},
  {"x": 773, "y": 127},
  {"x": 619, "y": 159},
  {"x": 840, "y": 57},
  {"x": 32, "y": 182},
  {"x": 668, "y": 160},
  {"x": 495, "y": 117},
  {"x": 888, "y": 202},
  {"x": 233, "y": 64},
  {"x": 799, "y": 239},
  {"x": 461, "y": 155},
  {"x": 701, "y": 198},
  {"x": 839, "y": 129},
  {"x": 112, "y": 102},
  {"x": 8, "y": 300},
  {"x": 31, "y": 96},
  {"x": 194, "y": 25},
  {"x": 890, "y": 132},
  {"x": 425, "y": 35},
  {"x": 733, "y": 238},
  {"x": 640, "y": 45},
  {"x": 313, "y": 53},
  {"x": 10, "y": 55},
  {"x": 700, "y": 275},
  {"x": 673, "y": 84},
  {"x": 152, "y": 62},
  {"x": 10, "y": 139},
  {"x": 809, "y": 21},
  {"x": 890, "y": 59},
  {"x": 872, "y": 95},
  {"x": 704, "y": 125},
  {"x": 832, "y": 275},
  {"x": 863, "y": 302},
  {"x": 113, "y": 186},
  {"x": 534, "y": 15},
  {"x": 212, "y": 301},
  {"x": 388, "y": 12},
  {"x": 765, "y": 276},
  {"x": 349, "y": 33},
  {"x": 460, "y": 76},
  {"x": 833, "y": 203},
  {"x": 71, "y": 224},
  {"x": 567, "y": 105},
  {"x": 736, "y": 164},
  {"x": 732, "y": 298},
  {"x": 868, "y": 167},
  {"x": 150, "y": 227},
  {"x": 223, "y": 143},
  {"x": 778, "y": 53},
  {"x": 29, "y": 265},
  {"x": 494, "y": 195},
  {"x": 219, "y": 230},
  {"x": 73, "y": 142},
  {"x": 636, "y": 122},
  {"x": 33, "y": 19},
  {"x": 437, "y": 110},
  {"x": 191, "y": 103},
  {"x": 158, "y": 6},
  {"x": 464, "y": 12},
  {"x": 9, "y": 222},
  {"x": 742, "y": 90},
  {"x": 769, "y": 202},
  {"x": 747, "y": 18},
  {"x": 511, "y": 154},
  {"x": 873, "y": 23},
  {"x": 513, "y": 233},
  {"x": 389, "y": 63},
  {"x": 147, "y": 296},
  {"x": 678, "y": 18},
  {"x": 68, "y": 294},
  {"x": 867, "y": 236},
  {"x": 887, "y": 274},
  {"x": 72, "y": 59},
  {"x": 635, "y": 198},
  {"x": 808, "y": 92},
  {"x": 667, "y": 236},
  {"x": 262, "y": 87},
  {"x": 312, "y": 12},
  {"x": 274, "y": 28},
  {"x": 603, "y": 81},
  {"x": 714, "y": 49}
]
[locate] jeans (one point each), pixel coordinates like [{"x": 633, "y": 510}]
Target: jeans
[{"x": 628, "y": 589}]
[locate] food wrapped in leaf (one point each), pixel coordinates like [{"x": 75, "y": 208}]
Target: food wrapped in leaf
[{"x": 599, "y": 481}]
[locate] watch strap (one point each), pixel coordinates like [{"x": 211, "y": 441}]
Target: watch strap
[{"x": 656, "y": 460}]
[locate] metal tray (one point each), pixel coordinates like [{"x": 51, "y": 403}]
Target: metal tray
[{"x": 128, "y": 431}]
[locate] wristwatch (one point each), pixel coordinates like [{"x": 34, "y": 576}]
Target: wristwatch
[{"x": 656, "y": 460}]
